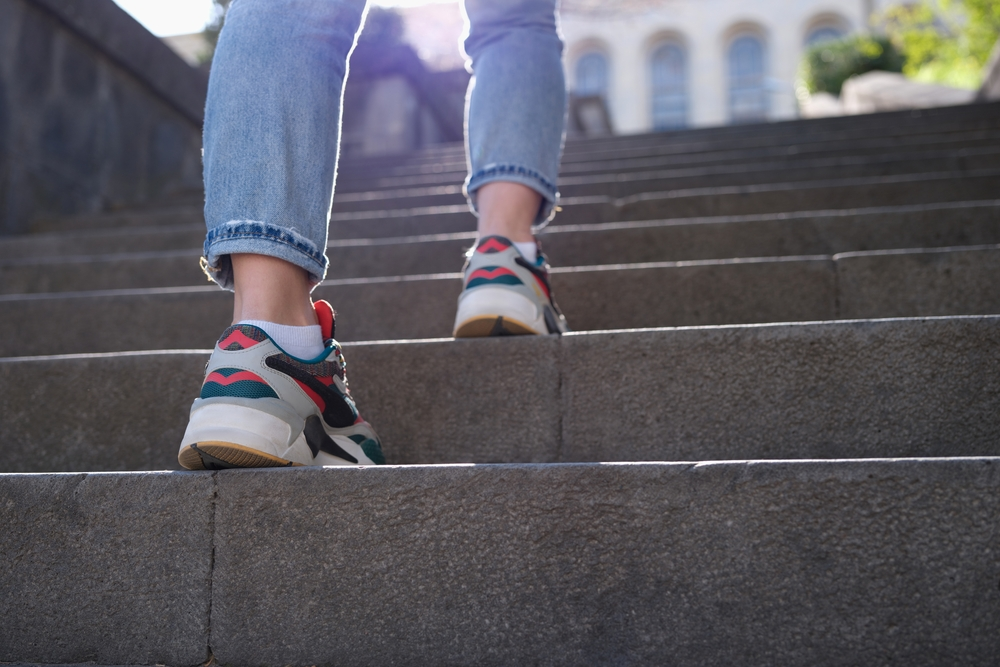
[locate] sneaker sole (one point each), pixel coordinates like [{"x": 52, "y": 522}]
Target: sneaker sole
[
  {"x": 493, "y": 325},
  {"x": 497, "y": 311},
  {"x": 223, "y": 434},
  {"x": 228, "y": 454}
]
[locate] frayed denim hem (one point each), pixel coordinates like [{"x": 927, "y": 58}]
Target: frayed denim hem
[
  {"x": 516, "y": 174},
  {"x": 258, "y": 238}
]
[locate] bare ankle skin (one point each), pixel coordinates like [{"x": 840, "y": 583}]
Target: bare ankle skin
[
  {"x": 271, "y": 289},
  {"x": 507, "y": 209}
]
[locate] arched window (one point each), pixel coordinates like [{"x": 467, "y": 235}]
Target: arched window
[
  {"x": 823, "y": 34},
  {"x": 747, "y": 93},
  {"x": 670, "y": 101},
  {"x": 592, "y": 74}
]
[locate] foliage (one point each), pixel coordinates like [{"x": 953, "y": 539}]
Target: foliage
[
  {"x": 214, "y": 27},
  {"x": 827, "y": 65},
  {"x": 945, "y": 41}
]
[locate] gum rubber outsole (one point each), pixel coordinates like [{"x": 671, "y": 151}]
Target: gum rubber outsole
[
  {"x": 229, "y": 454},
  {"x": 492, "y": 325}
]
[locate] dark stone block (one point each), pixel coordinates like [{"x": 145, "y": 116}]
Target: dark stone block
[
  {"x": 97, "y": 429},
  {"x": 918, "y": 283},
  {"x": 784, "y": 563},
  {"x": 79, "y": 70},
  {"x": 55, "y": 135},
  {"x": 4, "y": 126},
  {"x": 112, "y": 569},
  {"x": 168, "y": 142},
  {"x": 34, "y": 54}
]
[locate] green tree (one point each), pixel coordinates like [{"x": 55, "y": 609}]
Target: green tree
[
  {"x": 827, "y": 65},
  {"x": 945, "y": 41}
]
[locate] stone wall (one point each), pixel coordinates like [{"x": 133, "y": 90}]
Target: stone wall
[{"x": 95, "y": 113}]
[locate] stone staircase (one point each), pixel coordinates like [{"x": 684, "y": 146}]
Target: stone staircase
[{"x": 773, "y": 437}]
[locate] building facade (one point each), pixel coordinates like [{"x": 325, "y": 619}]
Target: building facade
[{"x": 670, "y": 64}]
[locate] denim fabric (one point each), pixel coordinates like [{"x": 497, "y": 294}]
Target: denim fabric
[
  {"x": 516, "y": 107},
  {"x": 272, "y": 119}
]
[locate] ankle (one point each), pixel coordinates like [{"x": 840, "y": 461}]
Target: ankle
[
  {"x": 271, "y": 290},
  {"x": 507, "y": 209}
]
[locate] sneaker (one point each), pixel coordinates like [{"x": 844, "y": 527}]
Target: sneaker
[
  {"x": 506, "y": 295},
  {"x": 260, "y": 407}
]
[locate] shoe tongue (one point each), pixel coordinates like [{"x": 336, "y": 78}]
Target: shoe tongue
[{"x": 326, "y": 317}]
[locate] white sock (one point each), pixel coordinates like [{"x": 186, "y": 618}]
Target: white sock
[
  {"x": 529, "y": 249},
  {"x": 300, "y": 342}
]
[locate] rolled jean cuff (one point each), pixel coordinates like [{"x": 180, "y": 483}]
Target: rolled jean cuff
[
  {"x": 516, "y": 174},
  {"x": 259, "y": 238}
]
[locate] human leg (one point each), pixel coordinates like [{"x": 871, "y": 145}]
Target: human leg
[
  {"x": 272, "y": 126},
  {"x": 515, "y": 120}
]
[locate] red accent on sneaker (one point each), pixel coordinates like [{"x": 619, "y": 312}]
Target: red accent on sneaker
[
  {"x": 219, "y": 378},
  {"x": 238, "y": 337},
  {"x": 326, "y": 316},
  {"x": 320, "y": 403},
  {"x": 491, "y": 274},
  {"x": 491, "y": 245}
]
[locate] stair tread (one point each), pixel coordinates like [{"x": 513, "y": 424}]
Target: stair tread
[
  {"x": 508, "y": 564},
  {"x": 844, "y": 389}
]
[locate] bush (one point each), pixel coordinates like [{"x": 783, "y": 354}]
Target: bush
[
  {"x": 826, "y": 66},
  {"x": 945, "y": 41}
]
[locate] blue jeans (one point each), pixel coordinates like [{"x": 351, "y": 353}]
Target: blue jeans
[{"x": 272, "y": 120}]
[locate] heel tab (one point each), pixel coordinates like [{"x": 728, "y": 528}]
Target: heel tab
[{"x": 326, "y": 316}]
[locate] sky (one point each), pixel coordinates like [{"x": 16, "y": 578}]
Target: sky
[{"x": 180, "y": 17}]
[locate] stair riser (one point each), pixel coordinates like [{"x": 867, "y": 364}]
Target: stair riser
[
  {"x": 146, "y": 238},
  {"x": 615, "y": 567},
  {"x": 805, "y": 178},
  {"x": 836, "y": 390},
  {"x": 950, "y": 282},
  {"x": 846, "y": 194},
  {"x": 909, "y": 227},
  {"x": 780, "y": 198},
  {"x": 115, "y": 570},
  {"x": 500, "y": 565},
  {"x": 711, "y": 163},
  {"x": 714, "y": 139}
]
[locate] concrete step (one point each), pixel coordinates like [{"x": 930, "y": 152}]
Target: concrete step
[
  {"x": 853, "y": 192},
  {"x": 168, "y": 216},
  {"x": 655, "y": 183},
  {"x": 98, "y": 241},
  {"x": 802, "y": 233},
  {"x": 711, "y": 139},
  {"x": 849, "y": 389},
  {"x": 750, "y": 172},
  {"x": 877, "y": 561},
  {"x": 929, "y": 282},
  {"x": 420, "y": 215},
  {"x": 933, "y": 147}
]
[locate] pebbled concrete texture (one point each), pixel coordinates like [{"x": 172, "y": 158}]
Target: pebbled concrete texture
[
  {"x": 80, "y": 262},
  {"x": 175, "y": 318},
  {"x": 112, "y": 569},
  {"x": 826, "y": 563},
  {"x": 413, "y": 307},
  {"x": 892, "y": 388},
  {"x": 968, "y": 142},
  {"x": 835, "y": 390},
  {"x": 907, "y": 283},
  {"x": 453, "y": 401},
  {"x": 811, "y": 195},
  {"x": 106, "y": 412},
  {"x": 68, "y": 244}
]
